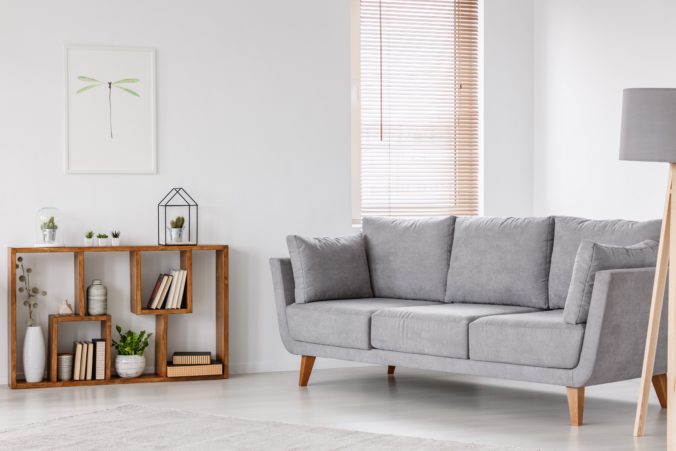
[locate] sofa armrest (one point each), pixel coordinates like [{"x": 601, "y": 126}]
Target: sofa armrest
[
  {"x": 284, "y": 290},
  {"x": 617, "y": 326}
]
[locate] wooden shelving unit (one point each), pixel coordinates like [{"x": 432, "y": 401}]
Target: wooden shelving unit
[{"x": 136, "y": 307}]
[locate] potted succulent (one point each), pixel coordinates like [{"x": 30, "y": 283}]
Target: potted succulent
[
  {"x": 89, "y": 238},
  {"x": 48, "y": 228},
  {"x": 130, "y": 361},
  {"x": 115, "y": 234},
  {"x": 103, "y": 239},
  {"x": 34, "y": 351},
  {"x": 176, "y": 227}
]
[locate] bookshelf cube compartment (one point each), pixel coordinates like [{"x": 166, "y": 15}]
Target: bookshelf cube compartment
[
  {"x": 55, "y": 321},
  {"x": 139, "y": 305}
]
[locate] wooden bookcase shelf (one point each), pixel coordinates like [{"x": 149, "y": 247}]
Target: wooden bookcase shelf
[{"x": 136, "y": 307}]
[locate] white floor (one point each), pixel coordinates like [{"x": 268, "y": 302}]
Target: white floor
[{"x": 414, "y": 403}]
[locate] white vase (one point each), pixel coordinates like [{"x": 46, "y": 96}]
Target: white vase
[
  {"x": 103, "y": 242},
  {"x": 89, "y": 241},
  {"x": 130, "y": 365},
  {"x": 115, "y": 241},
  {"x": 34, "y": 354},
  {"x": 176, "y": 235}
]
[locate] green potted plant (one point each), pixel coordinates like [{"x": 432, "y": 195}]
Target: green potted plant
[
  {"x": 176, "y": 227},
  {"x": 103, "y": 239},
  {"x": 48, "y": 228},
  {"x": 89, "y": 238},
  {"x": 130, "y": 361},
  {"x": 115, "y": 234}
]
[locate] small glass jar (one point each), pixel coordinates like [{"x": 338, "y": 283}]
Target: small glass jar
[{"x": 97, "y": 298}]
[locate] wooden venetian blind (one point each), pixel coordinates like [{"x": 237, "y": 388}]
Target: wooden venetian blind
[{"x": 419, "y": 107}]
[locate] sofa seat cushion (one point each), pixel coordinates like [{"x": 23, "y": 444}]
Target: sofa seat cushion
[
  {"x": 345, "y": 323},
  {"x": 569, "y": 233},
  {"x": 536, "y": 339},
  {"x": 439, "y": 330},
  {"x": 500, "y": 261},
  {"x": 408, "y": 258}
]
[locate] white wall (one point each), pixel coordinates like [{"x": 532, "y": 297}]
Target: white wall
[
  {"x": 253, "y": 120},
  {"x": 586, "y": 52},
  {"x": 508, "y": 107}
]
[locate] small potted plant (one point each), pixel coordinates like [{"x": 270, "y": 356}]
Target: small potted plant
[
  {"x": 103, "y": 239},
  {"x": 130, "y": 361},
  {"x": 115, "y": 234},
  {"x": 89, "y": 238},
  {"x": 176, "y": 229},
  {"x": 48, "y": 228}
]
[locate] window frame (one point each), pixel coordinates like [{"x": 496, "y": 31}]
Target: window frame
[{"x": 355, "y": 111}]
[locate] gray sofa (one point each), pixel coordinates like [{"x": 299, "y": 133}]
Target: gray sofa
[{"x": 497, "y": 297}]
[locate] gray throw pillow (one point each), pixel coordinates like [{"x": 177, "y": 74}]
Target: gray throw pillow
[
  {"x": 329, "y": 268},
  {"x": 408, "y": 258},
  {"x": 593, "y": 257}
]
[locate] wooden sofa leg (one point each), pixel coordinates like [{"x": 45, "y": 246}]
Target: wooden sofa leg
[
  {"x": 390, "y": 369},
  {"x": 575, "y": 405},
  {"x": 306, "y": 364},
  {"x": 660, "y": 386}
]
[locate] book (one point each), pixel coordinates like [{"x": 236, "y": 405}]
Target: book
[
  {"x": 184, "y": 277},
  {"x": 191, "y": 358},
  {"x": 83, "y": 362},
  {"x": 172, "y": 289},
  {"x": 99, "y": 369},
  {"x": 165, "y": 291},
  {"x": 76, "y": 361},
  {"x": 160, "y": 293},
  {"x": 90, "y": 361},
  {"x": 212, "y": 369},
  {"x": 180, "y": 278},
  {"x": 156, "y": 289}
]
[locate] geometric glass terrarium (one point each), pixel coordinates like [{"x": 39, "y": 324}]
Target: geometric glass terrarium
[
  {"x": 48, "y": 227},
  {"x": 177, "y": 221}
]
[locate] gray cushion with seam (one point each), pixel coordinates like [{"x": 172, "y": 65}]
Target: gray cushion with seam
[
  {"x": 329, "y": 268},
  {"x": 345, "y": 323},
  {"x": 440, "y": 330},
  {"x": 569, "y": 233},
  {"x": 408, "y": 258},
  {"x": 593, "y": 257},
  {"x": 500, "y": 261}
]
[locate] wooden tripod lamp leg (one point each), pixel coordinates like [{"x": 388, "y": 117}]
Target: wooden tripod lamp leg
[{"x": 664, "y": 249}]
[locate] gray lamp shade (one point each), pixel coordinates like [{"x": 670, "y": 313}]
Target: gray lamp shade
[{"x": 648, "y": 125}]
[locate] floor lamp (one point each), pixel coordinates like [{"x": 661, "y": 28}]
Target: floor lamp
[{"x": 649, "y": 134}]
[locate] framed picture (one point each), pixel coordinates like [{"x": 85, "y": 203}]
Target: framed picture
[{"x": 110, "y": 110}]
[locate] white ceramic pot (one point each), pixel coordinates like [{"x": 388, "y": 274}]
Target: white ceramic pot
[
  {"x": 89, "y": 241},
  {"x": 97, "y": 298},
  {"x": 115, "y": 241},
  {"x": 130, "y": 365},
  {"x": 103, "y": 242},
  {"x": 34, "y": 354}
]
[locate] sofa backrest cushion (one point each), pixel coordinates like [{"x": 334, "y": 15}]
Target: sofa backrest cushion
[
  {"x": 500, "y": 261},
  {"x": 408, "y": 258},
  {"x": 329, "y": 268},
  {"x": 593, "y": 257},
  {"x": 569, "y": 233}
]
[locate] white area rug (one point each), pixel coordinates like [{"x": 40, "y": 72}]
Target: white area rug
[{"x": 134, "y": 427}]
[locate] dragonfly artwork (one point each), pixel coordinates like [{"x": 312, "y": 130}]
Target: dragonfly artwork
[{"x": 119, "y": 84}]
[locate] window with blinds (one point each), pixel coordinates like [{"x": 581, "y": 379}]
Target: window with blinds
[{"x": 418, "y": 100}]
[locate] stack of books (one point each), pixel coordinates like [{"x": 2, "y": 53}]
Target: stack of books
[
  {"x": 89, "y": 362},
  {"x": 193, "y": 364},
  {"x": 169, "y": 290}
]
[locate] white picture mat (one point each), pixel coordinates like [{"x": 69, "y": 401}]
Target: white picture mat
[{"x": 88, "y": 147}]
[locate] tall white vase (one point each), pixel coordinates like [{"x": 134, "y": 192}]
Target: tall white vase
[{"x": 34, "y": 354}]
